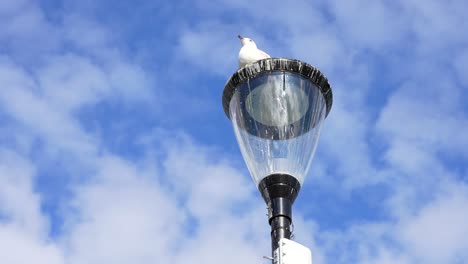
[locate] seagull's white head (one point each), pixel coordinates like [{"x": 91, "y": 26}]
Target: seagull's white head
[{"x": 246, "y": 41}]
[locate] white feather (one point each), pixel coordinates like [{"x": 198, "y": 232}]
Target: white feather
[{"x": 249, "y": 53}]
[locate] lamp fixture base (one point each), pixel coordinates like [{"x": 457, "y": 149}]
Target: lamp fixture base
[{"x": 279, "y": 192}]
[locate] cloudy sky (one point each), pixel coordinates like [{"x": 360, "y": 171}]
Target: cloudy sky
[{"x": 114, "y": 147}]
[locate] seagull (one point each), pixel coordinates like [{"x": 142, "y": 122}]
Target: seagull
[{"x": 249, "y": 53}]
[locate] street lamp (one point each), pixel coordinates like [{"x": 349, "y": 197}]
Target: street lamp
[{"x": 277, "y": 107}]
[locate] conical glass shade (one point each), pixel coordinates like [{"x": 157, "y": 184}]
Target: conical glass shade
[{"x": 277, "y": 118}]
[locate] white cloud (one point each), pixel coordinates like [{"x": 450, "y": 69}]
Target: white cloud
[
  {"x": 23, "y": 228},
  {"x": 439, "y": 232},
  {"x": 25, "y": 33},
  {"x": 436, "y": 24},
  {"x": 122, "y": 216},
  {"x": 22, "y": 102},
  {"x": 344, "y": 139},
  {"x": 19, "y": 247},
  {"x": 19, "y": 204},
  {"x": 205, "y": 186},
  {"x": 7, "y": 7},
  {"x": 70, "y": 82},
  {"x": 370, "y": 24},
  {"x": 206, "y": 44},
  {"x": 185, "y": 204},
  {"x": 326, "y": 46},
  {"x": 87, "y": 35},
  {"x": 430, "y": 119}
]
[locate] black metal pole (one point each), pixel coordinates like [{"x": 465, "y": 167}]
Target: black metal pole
[
  {"x": 280, "y": 221},
  {"x": 279, "y": 192}
]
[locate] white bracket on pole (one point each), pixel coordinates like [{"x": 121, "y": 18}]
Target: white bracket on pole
[{"x": 290, "y": 252}]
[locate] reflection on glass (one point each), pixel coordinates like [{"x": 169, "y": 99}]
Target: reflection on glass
[
  {"x": 277, "y": 119},
  {"x": 275, "y": 104}
]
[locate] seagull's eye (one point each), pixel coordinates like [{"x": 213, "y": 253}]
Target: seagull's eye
[{"x": 250, "y": 40}]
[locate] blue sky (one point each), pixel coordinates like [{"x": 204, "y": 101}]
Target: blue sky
[{"x": 114, "y": 147}]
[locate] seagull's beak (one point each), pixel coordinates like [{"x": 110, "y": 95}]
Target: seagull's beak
[{"x": 240, "y": 37}]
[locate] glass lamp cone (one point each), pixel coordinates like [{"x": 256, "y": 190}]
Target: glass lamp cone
[
  {"x": 277, "y": 107},
  {"x": 277, "y": 118}
]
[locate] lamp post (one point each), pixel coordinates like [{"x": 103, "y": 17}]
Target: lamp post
[{"x": 277, "y": 107}]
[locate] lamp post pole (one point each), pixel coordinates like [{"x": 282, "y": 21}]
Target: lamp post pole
[
  {"x": 277, "y": 107},
  {"x": 279, "y": 192}
]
